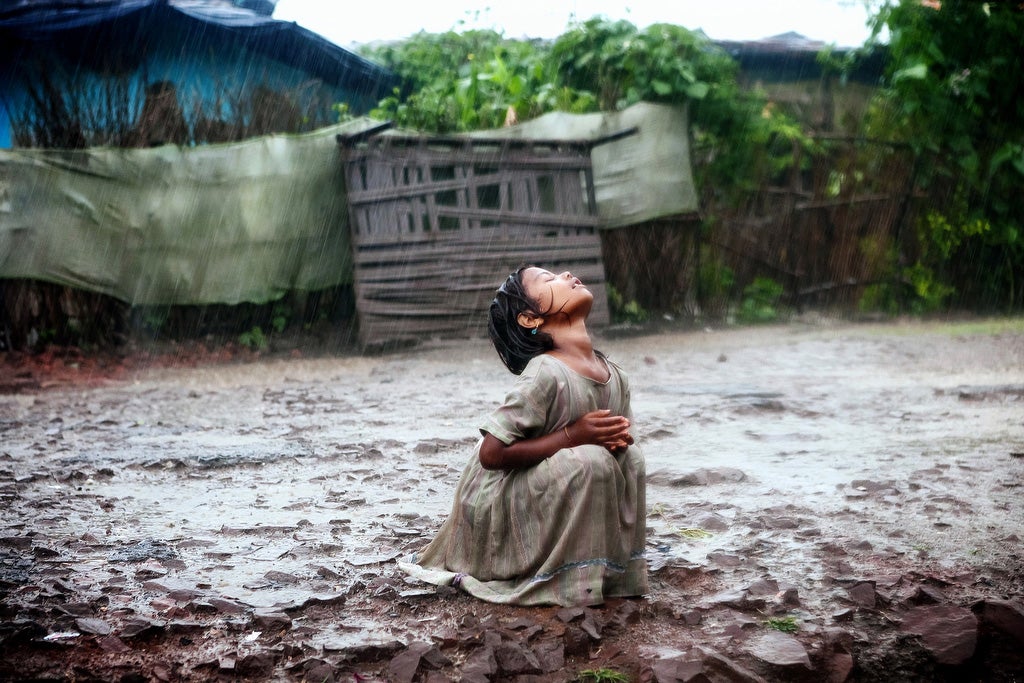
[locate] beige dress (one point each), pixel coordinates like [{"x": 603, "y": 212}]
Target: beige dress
[{"x": 567, "y": 531}]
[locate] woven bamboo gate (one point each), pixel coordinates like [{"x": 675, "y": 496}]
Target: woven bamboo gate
[{"x": 438, "y": 222}]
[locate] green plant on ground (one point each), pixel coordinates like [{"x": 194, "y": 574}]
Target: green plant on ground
[
  {"x": 784, "y": 624},
  {"x": 715, "y": 281},
  {"x": 280, "y": 314},
  {"x": 625, "y": 311},
  {"x": 602, "y": 675},
  {"x": 254, "y": 339},
  {"x": 760, "y": 301}
]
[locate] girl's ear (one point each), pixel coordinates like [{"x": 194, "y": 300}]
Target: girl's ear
[{"x": 529, "y": 320}]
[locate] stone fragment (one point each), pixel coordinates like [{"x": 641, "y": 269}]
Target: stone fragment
[
  {"x": 514, "y": 659},
  {"x": 701, "y": 665},
  {"x": 256, "y": 666},
  {"x": 550, "y": 654},
  {"x": 789, "y": 596},
  {"x": 692, "y": 617},
  {"x": 403, "y": 666},
  {"x": 862, "y": 594},
  {"x": 725, "y": 559},
  {"x": 112, "y": 644},
  {"x": 840, "y": 666},
  {"x": 270, "y": 619},
  {"x": 479, "y": 666},
  {"x": 699, "y": 477},
  {"x": 198, "y": 607},
  {"x": 92, "y": 625},
  {"x": 226, "y": 606},
  {"x": 677, "y": 670},
  {"x": 576, "y": 641},
  {"x": 319, "y": 670},
  {"x": 736, "y": 599},
  {"x": 569, "y": 614},
  {"x": 1003, "y": 615},
  {"x": 281, "y": 577},
  {"x": 779, "y": 649},
  {"x": 927, "y": 595},
  {"x": 183, "y": 594},
  {"x": 138, "y": 626},
  {"x": 948, "y": 632},
  {"x": 763, "y": 587},
  {"x": 710, "y": 521}
]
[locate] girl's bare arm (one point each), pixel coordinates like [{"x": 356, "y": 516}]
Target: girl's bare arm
[{"x": 599, "y": 427}]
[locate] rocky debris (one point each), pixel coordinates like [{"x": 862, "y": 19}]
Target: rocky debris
[
  {"x": 700, "y": 664},
  {"x": 699, "y": 477},
  {"x": 148, "y": 549},
  {"x": 862, "y": 594},
  {"x": 1004, "y": 616},
  {"x": 948, "y": 632},
  {"x": 404, "y": 666},
  {"x": 780, "y": 650},
  {"x": 242, "y": 523}
]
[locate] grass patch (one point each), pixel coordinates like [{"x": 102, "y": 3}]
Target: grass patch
[
  {"x": 784, "y": 624},
  {"x": 602, "y": 676}
]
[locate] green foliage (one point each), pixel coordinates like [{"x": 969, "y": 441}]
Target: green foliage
[
  {"x": 470, "y": 81},
  {"x": 625, "y": 311},
  {"x": 915, "y": 289},
  {"x": 952, "y": 92},
  {"x": 716, "y": 281},
  {"x": 459, "y": 82},
  {"x": 602, "y": 676},
  {"x": 784, "y": 624},
  {"x": 760, "y": 301},
  {"x": 280, "y": 314},
  {"x": 738, "y": 139},
  {"x": 623, "y": 66},
  {"x": 254, "y": 339}
]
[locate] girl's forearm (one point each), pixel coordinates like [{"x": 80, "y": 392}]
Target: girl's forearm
[{"x": 495, "y": 455}]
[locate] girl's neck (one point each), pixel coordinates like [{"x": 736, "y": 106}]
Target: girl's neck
[
  {"x": 571, "y": 338},
  {"x": 574, "y": 347}
]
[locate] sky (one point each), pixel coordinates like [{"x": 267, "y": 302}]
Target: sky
[{"x": 837, "y": 22}]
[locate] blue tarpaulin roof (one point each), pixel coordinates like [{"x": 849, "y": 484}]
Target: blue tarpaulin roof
[{"x": 28, "y": 21}]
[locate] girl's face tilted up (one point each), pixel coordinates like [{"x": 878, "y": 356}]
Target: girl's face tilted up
[{"x": 562, "y": 293}]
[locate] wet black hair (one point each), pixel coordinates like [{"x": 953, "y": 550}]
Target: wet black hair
[{"x": 515, "y": 344}]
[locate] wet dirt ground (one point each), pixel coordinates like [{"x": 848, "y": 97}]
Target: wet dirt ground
[{"x": 826, "y": 501}]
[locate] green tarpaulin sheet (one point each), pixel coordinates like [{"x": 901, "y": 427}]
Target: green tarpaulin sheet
[
  {"x": 225, "y": 223},
  {"x": 636, "y": 178}
]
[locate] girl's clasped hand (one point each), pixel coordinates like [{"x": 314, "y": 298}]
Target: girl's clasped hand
[{"x": 601, "y": 428}]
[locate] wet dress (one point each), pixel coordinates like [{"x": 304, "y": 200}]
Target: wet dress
[{"x": 569, "y": 530}]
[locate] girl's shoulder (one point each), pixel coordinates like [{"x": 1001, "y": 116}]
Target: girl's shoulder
[{"x": 541, "y": 365}]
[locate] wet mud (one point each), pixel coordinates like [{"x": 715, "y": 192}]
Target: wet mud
[{"x": 826, "y": 501}]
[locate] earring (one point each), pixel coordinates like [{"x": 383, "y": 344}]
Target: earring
[{"x": 533, "y": 331}]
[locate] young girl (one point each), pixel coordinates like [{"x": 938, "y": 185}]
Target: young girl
[{"x": 551, "y": 508}]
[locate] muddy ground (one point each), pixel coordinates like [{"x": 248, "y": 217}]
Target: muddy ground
[{"x": 827, "y": 501}]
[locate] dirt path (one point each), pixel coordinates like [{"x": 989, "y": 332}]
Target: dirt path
[{"x": 826, "y": 502}]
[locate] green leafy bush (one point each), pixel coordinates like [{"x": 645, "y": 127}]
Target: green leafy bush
[
  {"x": 623, "y": 311},
  {"x": 254, "y": 339},
  {"x": 760, "y": 302}
]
